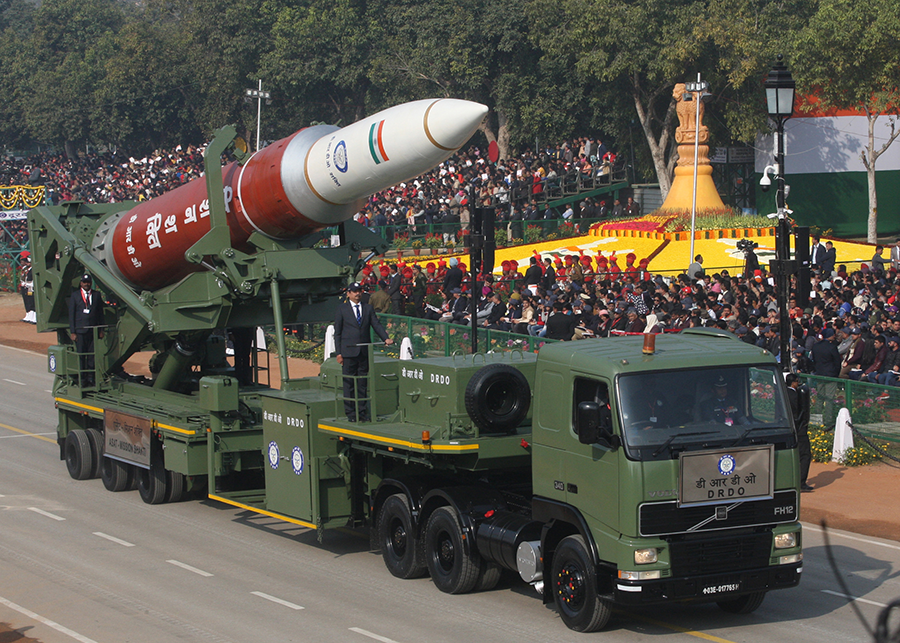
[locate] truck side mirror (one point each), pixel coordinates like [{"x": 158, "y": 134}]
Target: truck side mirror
[{"x": 593, "y": 422}]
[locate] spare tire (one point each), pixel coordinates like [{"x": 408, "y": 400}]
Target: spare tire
[{"x": 498, "y": 398}]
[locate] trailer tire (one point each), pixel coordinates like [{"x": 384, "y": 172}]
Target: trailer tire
[
  {"x": 497, "y": 398},
  {"x": 742, "y": 604},
  {"x": 574, "y": 579},
  {"x": 152, "y": 485},
  {"x": 79, "y": 460},
  {"x": 175, "y": 484},
  {"x": 452, "y": 570},
  {"x": 396, "y": 535},
  {"x": 115, "y": 475},
  {"x": 96, "y": 440}
]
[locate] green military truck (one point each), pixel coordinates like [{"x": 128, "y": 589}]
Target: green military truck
[{"x": 603, "y": 472}]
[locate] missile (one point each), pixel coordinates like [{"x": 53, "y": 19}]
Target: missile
[{"x": 313, "y": 179}]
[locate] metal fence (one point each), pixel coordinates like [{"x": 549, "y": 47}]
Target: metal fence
[{"x": 874, "y": 409}]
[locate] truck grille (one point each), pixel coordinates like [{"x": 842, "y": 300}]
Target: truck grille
[
  {"x": 708, "y": 555},
  {"x": 665, "y": 518}
]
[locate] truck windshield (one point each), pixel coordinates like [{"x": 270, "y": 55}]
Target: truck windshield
[{"x": 665, "y": 412}]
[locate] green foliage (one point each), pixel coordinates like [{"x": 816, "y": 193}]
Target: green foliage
[
  {"x": 822, "y": 442},
  {"x": 714, "y": 220},
  {"x": 533, "y": 234}
]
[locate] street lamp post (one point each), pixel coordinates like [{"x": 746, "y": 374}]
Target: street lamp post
[
  {"x": 780, "y": 86},
  {"x": 696, "y": 91},
  {"x": 259, "y": 95}
]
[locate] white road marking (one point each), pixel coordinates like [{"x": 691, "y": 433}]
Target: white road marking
[
  {"x": 23, "y": 435},
  {"x": 188, "y": 567},
  {"x": 383, "y": 639},
  {"x": 277, "y": 600},
  {"x": 852, "y": 598},
  {"x": 118, "y": 541},
  {"x": 15, "y": 382},
  {"x": 45, "y": 513},
  {"x": 46, "y": 621},
  {"x": 849, "y": 537}
]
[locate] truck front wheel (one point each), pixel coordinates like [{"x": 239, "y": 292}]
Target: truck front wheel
[
  {"x": 397, "y": 538},
  {"x": 742, "y": 604},
  {"x": 452, "y": 570},
  {"x": 574, "y": 581}
]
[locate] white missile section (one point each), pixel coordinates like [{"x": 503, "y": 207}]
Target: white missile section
[{"x": 326, "y": 172}]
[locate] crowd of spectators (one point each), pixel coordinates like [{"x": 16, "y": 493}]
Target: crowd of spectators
[{"x": 849, "y": 328}]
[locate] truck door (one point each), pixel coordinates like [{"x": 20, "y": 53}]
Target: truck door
[
  {"x": 592, "y": 478},
  {"x": 288, "y": 476}
]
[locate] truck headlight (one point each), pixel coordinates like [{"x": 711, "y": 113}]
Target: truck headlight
[
  {"x": 645, "y": 556},
  {"x": 786, "y": 541},
  {"x": 630, "y": 575}
]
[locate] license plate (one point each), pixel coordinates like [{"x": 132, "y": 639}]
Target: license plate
[{"x": 724, "y": 588}]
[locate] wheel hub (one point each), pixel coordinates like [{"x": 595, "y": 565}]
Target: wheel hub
[{"x": 570, "y": 586}]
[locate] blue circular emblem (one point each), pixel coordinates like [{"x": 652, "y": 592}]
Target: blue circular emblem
[
  {"x": 340, "y": 156},
  {"x": 297, "y": 460},
  {"x": 726, "y": 465},
  {"x": 273, "y": 455},
  {"x": 53, "y": 363}
]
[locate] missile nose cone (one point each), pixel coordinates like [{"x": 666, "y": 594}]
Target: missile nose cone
[{"x": 450, "y": 122}]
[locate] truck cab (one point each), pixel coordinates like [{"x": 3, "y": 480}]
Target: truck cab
[{"x": 664, "y": 474}]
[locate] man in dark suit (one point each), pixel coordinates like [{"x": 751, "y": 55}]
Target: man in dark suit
[
  {"x": 453, "y": 278},
  {"x": 829, "y": 258},
  {"x": 352, "y": 326},
  {"x": 798, "y": 396},
  {"x": 85, "y": 314}
]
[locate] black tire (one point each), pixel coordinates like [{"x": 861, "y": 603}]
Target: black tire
[
  {"x": 397, "y": 538},
  {"x": 498, "y": 398},
  {"x": 152, "y": 485},
  {"x": 96, "y": 440},
  {"x": 131, "y": 472},
  {"x": 175, "y": 484},
  {"x": 452, "y": 570},
  {"x": 79, "y": 461},
  {"x": 114, "y": 474},
  {"x": 488, "y": 576},
  {"x": 574, "y": 579},
  {"x": 742, "y": 604}
]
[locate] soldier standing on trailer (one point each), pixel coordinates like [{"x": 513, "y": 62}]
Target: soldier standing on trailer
[{"x": 85, "y": 314}]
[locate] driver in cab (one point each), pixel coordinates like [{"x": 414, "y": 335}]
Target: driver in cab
[{"x": 720, "y": 407}]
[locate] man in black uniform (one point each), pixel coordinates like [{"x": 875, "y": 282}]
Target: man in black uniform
[
  {"x": 85, "y": 314},
  {"x": 798, "y": 396},
  {"x": 720, "y": 407},
  {"x": 352, "y": 326}
]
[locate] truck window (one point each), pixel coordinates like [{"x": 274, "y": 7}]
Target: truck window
[
  {"x": 664, "y": 412},
  {"x": 588, "y": 390}
]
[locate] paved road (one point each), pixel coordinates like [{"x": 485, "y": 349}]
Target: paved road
[{"x": 80, "y": 564}]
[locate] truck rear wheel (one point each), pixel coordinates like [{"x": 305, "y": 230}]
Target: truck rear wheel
[
  {"x": 452, "y": 570},
  {"x": 497, "y": 398},
  {"x": 397, "y": 538},
  {"x": 152, "y": 485},
  {"x": 488, "y": 576},
  {"x": 175, "y": 484},
  {"x": 96, "y": 440},
  {"x": 742, "y": 604},
  {"x": 79, "y": 460},
  {"x": 114, "y": 474},
  {"x": 574, "y": 579}
]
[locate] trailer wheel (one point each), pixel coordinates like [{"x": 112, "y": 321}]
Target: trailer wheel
[
  {"x": 574, "y": 588},
  {"x": 79, "y": 460},
  {"x": 114, "y": 474},
  {"x": 96, "y": 440},
  {"x": 742, "y": 604},
  {"x": 488, "y": 576},
  {"x": 497, "y": 398},
  {"x": 452, "y": 570},
  {"x": 152, "y": 485},
  {"x": 175, "y": 484},
  {"x": 396, "y": 535}
]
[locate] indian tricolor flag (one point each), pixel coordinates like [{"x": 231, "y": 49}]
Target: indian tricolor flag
[
  {"x": 827, "y": 177},
  {"x": 376, "y": 143}
]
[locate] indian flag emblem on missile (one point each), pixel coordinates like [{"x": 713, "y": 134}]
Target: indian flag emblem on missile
[{"x": 376, "y": 143}]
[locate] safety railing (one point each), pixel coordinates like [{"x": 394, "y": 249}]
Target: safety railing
[{"x": 874, "y": 409}]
